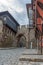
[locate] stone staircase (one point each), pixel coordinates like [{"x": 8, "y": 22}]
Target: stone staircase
[{"x": 30, "y": 59}]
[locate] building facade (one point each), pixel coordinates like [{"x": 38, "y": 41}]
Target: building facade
[
  {"x": 37, "y": 6},
  {"x": 31, "y": 28},
  {"x": 8, "y": 29}
]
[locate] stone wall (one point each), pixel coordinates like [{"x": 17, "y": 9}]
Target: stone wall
[
  {"x": 32, "y": 38},
  {"x": 23, "y": 30},
  {"x": 28, "y": 33},
  {"x": 1, "y": 31},
  {"x": 7, "y": 36}
]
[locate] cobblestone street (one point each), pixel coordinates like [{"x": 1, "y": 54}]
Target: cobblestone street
[{"x": 11, "y": 57}]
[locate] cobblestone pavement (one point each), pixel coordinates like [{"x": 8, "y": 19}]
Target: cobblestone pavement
[{"x": 11, "y": 57}]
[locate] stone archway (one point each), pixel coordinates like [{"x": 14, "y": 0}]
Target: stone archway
[{"x": 21, "y": 40}]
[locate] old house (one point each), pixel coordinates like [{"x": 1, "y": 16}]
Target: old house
[
  {"x": 31, "y": 27},
  {"x": 8, "y": 29}
]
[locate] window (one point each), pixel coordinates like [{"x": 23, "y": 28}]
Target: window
[
  {"x": 4, "y": 18},
  {"x": 31, "y": 22},
  {"x": 30, "y": 13}
]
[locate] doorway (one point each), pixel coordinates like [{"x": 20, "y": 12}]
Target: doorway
[{"x": 21, "y": 41}]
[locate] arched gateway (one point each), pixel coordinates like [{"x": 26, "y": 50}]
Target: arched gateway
[
  {"x": 22, "y": 37},
  {"x": 21, "y": 40}
]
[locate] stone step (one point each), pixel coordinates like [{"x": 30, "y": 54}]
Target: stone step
[
  {"x": 33, "y": 58},
  {"x": 30, "y": 63}
]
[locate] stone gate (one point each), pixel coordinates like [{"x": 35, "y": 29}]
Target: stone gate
[{"x": 24, "y": 31}]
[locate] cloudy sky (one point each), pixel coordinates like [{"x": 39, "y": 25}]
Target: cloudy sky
[{"x": 17, "y": 8}]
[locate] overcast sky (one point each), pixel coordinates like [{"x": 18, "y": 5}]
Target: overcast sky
[{"x": 17, "y": 8}]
